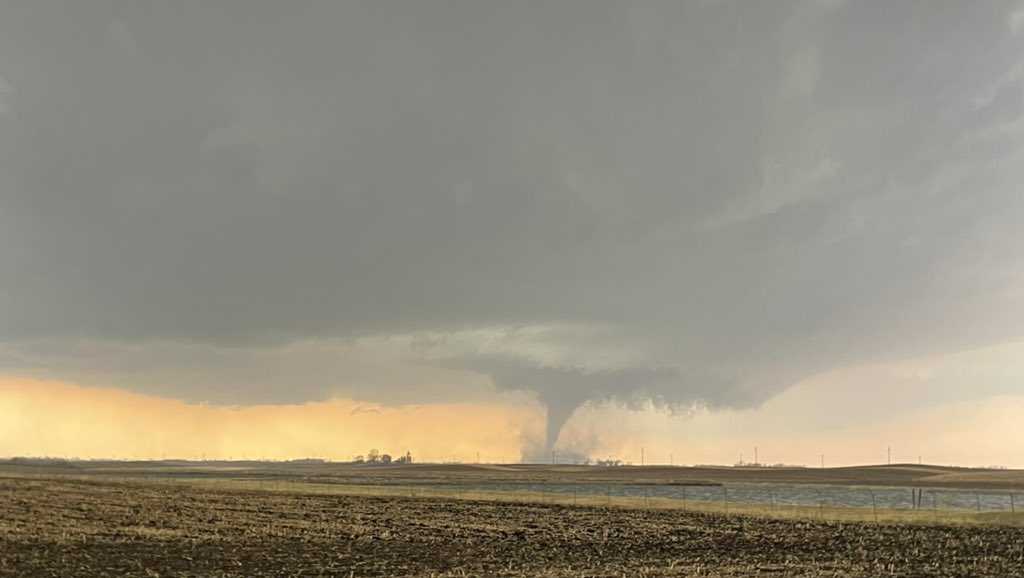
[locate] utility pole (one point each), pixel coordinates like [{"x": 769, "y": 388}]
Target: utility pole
[
  {"x": 889, "y": 455},
  {"x": 823, "y": 461},
  {"x": 641, "y": 456},
  {"x": 755, "y": 456}
]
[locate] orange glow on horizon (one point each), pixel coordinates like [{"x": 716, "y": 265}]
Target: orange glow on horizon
[
  {"x": 48, "y": 418},
  {"x": 830, "y": 413}
]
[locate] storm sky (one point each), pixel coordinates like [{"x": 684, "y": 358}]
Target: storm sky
[{"x": 656, "y": 205}]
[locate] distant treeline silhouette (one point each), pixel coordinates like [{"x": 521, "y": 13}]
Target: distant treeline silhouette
[{"x": 375, "y": 457}]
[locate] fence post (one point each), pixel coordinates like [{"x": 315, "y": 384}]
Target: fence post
[
  {"x": 1013, "y": 507},
  {"x": 725, "y": 499},
  {"x": 874, "y": 506},
  {"x": 684, "y": 498},
  {"x": 574, "y": 495},
  {"x": 609, "y": 495},
  {"x": 977, "y": 500}
]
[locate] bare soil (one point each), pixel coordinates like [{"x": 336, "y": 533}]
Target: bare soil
[{"x": 65, "y": 527}]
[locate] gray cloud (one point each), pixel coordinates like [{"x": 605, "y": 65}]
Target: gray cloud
[{"x": 742, "y": 194}]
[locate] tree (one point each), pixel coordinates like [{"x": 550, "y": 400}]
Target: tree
[{"x": 373, "y": 456}]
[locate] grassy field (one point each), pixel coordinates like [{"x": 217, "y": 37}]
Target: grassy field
[
  {"x": 113, "y": 524},
  {"x": 450, "y": 492},
  {"x": 899, "y": 475}
]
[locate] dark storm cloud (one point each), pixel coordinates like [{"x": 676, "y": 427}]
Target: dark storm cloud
[{"x": 754, "y": 191}]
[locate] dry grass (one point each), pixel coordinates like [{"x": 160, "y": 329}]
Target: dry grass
[
  {"x": 900, "y": 475},
  {"x": 455, "y": 492}
]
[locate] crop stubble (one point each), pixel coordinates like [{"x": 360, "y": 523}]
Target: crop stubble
[{"x": 95, "y": 528}]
